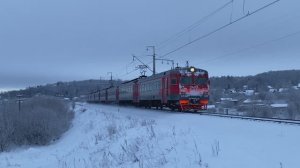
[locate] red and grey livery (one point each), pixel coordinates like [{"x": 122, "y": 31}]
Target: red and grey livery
[{"x": 180, "y": 88}]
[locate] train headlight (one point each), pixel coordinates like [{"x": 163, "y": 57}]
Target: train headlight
[
  {"x": 204, "y": 102},
  {"x": 192, "y": 69},
  {"x": 184, "y": 102}
]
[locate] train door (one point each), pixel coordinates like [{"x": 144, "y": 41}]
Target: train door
[
  {"x": 117, "y": 94},
  {"x": 165, "y": 89},
  {"x": 135, "y": 92},
  {"x": 106, "y": 95},
  {"x": 99, "y": 96}
]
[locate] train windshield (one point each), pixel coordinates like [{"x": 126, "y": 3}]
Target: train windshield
[
  {"x": 185, "y": 80},
  {"x": 201, "y": 81}
]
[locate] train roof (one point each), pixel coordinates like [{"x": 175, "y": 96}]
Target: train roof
[
  {"x": 133, "y": 80},
  {"x": 175, "y": 70},
  {"x": 180, "y": 69}
]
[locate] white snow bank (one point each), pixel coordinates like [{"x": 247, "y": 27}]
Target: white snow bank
[{"x": 111, "y": 136}]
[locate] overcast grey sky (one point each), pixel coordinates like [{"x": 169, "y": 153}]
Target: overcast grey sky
[{"x": 62, "y": 40}]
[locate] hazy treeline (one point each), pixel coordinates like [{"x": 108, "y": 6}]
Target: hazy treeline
[
  {"x": 62, "y": 89},
  {"x": 39, "y": 121},
  {"x": 260, "y": 82}
]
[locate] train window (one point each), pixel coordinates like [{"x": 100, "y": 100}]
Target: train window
[
  {"x": 173, "y": 81},
  {"x": 186, "y": 80},
  {"x": 201, "y": 81}
]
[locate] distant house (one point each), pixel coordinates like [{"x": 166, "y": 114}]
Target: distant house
[
  {"x": 283, "y": 105},
  {"x": 283, "y": 90},
  {"x": 280, "y": 110},
  {"x": 232, "y": 91},
  {"x": 211, "y": 106},
  {"x": 249, "y": 101},
  {"x": 249, "y": 92},
  {"x": 227, "y": 102},
  {"x": 273, "y": 90},
  {"x": 227, "y": 99}
]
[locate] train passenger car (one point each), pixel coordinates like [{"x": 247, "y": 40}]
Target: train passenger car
[
  {"x": 94, "y": 97},
  {"x": 149, "y": 90},
  {"x": 90, "y": 97},
  {"x": 112, "y": 95},
  {"x": 126, "y": 95},
  {"x": 103, "y": 95}
]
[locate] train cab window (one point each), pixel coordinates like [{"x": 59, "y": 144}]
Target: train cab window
[
  {"x": 201, "y": 81},
  {"x": 185, "y": 80},
  {"x": 173, "y": 81}
]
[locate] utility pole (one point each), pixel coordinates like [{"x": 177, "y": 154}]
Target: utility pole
[
  {"x": 19, "y": 102},
  {"x": 187, "y": 64},
  {"x": 111, "y": 83},
  {"x": 153, "y": 55},
  {"x": 100, "y": 83}
]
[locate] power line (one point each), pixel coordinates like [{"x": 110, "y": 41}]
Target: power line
[
  {"x": 220, "y": 28},
  {"x": 181, "y": 33},
  {"x": 212, "y": 32},
  {"x": 254, "y": 46},
  {"x": 241, "y": 50},
  {"x": 196, "y": 24}
]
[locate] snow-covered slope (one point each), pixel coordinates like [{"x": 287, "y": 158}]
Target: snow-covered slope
[{"x": 112, "y": 136}]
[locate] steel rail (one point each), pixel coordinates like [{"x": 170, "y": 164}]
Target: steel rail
[
  {"x": 205, "y": 113},
  {"x": 276, "y": 120}
]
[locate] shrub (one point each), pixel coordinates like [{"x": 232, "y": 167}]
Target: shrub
[{"x": 39, "y": 121}]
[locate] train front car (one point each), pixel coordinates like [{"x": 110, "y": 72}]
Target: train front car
[{"x": 193, "y": 90}]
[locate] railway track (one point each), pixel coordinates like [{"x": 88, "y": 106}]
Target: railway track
[{"x": 281, "y": 121}]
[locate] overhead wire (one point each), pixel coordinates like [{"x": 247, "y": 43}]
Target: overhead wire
[
  {"x": 212, "y": 32},
  {"x": 253, "y": 46},
  {"x": 181, "y": 33},
  {"x": 219, "y": 29},
  {"x": 193, "y": 26}
]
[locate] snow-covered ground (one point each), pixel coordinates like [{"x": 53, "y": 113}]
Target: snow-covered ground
[{"x": 112, "y": 136}]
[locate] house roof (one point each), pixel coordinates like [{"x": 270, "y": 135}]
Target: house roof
[
  {"x": 279, "y": 105},
  {"x": 229, "y": 99}
]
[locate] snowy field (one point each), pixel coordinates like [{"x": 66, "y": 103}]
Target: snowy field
[{"x": 111, "y": 136}]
